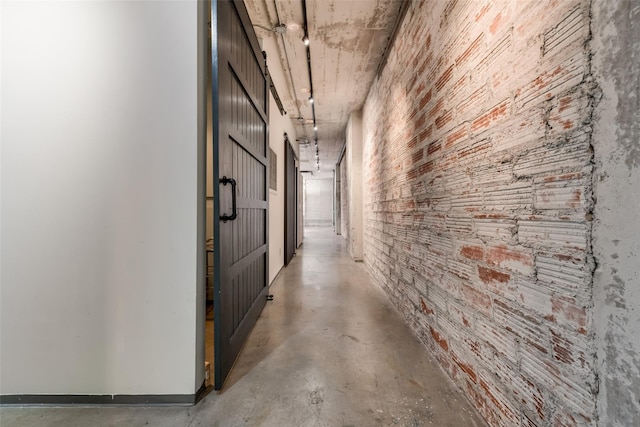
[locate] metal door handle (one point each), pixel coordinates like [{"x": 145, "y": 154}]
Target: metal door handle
[{"x": 234, "y": 214}]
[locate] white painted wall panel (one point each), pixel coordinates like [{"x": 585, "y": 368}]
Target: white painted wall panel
[
  {"x": 318, "y": 202},
  {"x": 99, "y": 197},
  {"x": 278, "y": 126},
  {"x": 616, "y": 235},
  {"x": 353, "y": 156}
]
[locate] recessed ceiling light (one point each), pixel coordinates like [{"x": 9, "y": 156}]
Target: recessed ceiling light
[{"x": 293, "y": 26}]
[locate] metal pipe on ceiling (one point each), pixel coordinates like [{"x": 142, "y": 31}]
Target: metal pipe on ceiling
[
  {"x": 286, "y": 55},
  {"x": 311, "y": 99}
]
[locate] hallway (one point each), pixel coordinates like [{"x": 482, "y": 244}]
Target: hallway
[{"x": 330, "y": 350}]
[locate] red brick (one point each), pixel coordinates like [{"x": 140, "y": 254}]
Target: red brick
[
  {"x": 424, "y": 100},
  {"x": 511, "y": 258},
  {"x": 425, "y": 64},
  {"x": 493, "y": 28},
  {"x": 444, "y": 78},
  {"x": 443, "y": 119},
  {"x": 433, "y": 148},
  {"x": 426, "y": 168},
  {"x": 413, "y": 142},
  {"x": 425, "y": 308},
  {"x": 439, "y": 339},
  {"x": 465, "y": 367},
  {"x": 417, "y": 156},
  {"x": 487, "y": 119},
  {"x": 436, "y": 108},
  {"x": 419, "y": 122},
  {"x": 488, "y": 275},
  {"x": 425, "y": 134},
  {"x": 457, "y": 135},
  {"x": 482, "y": 12},
  {"x": 472, "y": 252},
  {"x": 471, "y": 50}
]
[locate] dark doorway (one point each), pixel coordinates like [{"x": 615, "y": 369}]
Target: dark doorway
[
  {"x": 240, "y": 181},
  {"x": 291, "y": 202}
]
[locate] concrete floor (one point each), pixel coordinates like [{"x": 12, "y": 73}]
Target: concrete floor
[{"x": 330, "y": 350}]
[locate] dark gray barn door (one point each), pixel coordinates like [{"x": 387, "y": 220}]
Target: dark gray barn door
[
  {"x": 240, "y": 181},
  {"x": 290, "y": 209}
]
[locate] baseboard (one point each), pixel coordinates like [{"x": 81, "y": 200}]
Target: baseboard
[{"x": 104, "y": 399}]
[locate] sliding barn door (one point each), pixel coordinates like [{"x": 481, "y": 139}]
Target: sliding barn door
[{"x": 240, "y": 181}]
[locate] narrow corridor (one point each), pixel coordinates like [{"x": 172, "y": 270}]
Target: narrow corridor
[{"x": 330, "y": 350}]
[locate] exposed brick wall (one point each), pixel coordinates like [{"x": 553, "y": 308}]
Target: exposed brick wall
[{"x": 478, "y": 169}]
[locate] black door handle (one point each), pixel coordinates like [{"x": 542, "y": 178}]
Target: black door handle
[{"x": 234, "y": 214}]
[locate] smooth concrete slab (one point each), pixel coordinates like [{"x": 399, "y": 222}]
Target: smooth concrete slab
[{"x": 330, "y": 350}]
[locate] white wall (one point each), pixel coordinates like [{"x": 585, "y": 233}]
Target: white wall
[
  {"x": 300, "y": 209},
  {"x": 99, "y": 197},
  {"x": 344, "y": 198},
  {"x": 278, "y": 126},
  {"x": 616, "y": 234},
  {"x": 337, "y": 210},
  {"x": 353, "y": 156},
  {"x": 318, "y": 206}
]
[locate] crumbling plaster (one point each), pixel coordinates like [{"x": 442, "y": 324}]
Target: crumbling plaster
[{"x": 616, "y": 232}]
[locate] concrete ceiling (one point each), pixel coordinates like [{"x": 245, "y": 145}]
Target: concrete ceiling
[{"x": 347, "y": 41}]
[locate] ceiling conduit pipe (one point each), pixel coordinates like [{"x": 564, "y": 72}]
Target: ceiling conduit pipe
[{"x": 311, "y": 99}]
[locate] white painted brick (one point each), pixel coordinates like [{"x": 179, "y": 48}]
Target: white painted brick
[
  {"x": 460, "y": 269},
  {"x": 494, "y": 229},
  {"x": 561, "y": 195},
  {"x": 547, "y": 232},
  {"x": 567, "y": 156},
  {"x": 458, "y": 223},
  {"x": 503, "y": 341},
  {"x": 564, "y": 274},
  {"x": 572, "y": 391},
  {"x": 517, "y": 196},
  {"x": 524, "y": 325},
  {"x": 570, "y": 30}
]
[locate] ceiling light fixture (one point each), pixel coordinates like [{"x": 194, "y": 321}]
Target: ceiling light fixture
[
  {"x": 305, "y": 39},
  {"x": 315, "y": 128},
  {"x": 311, "y": 99},
  {"x": 280, "y": 29}
]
